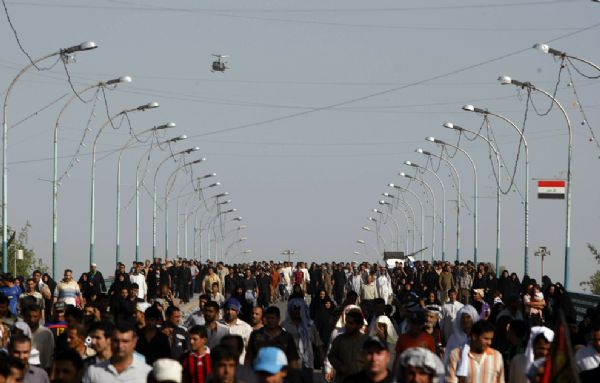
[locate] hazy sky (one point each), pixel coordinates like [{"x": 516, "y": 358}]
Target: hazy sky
[{"x": 322, "y": 104}]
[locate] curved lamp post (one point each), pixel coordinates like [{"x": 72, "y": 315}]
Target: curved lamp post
[
  {"x": 187, "y": 151},
  {"x": 506, "y": 80},
  {"x": 127, "y": 145},
  {"x": 140, "y": 108},
  {"x": 422, "y": 214},
  {"x": 167, "y": 193},
  {"x": 458, "y": 195},
  {"x": 402, "y": 174},
  {"x": 440, "y": 142},
  {"x": 409, "y": 214},
  {"x": 382, "y": 202},
  {"x": 409, "y": 163},
  {"x": 137, "y": 190},
  {"x": 556, "y": 53},
  {"x": 197, "y": 192},
  {"x": 123, "y": 79},
  {"x": 85, "y": 46},
  {"x": 449, "y": 125},
  {"x": 485, "y": 112},
  {"x": 377, "y": 231}
]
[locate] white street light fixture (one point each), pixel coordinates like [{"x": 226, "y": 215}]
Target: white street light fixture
[
  {"x": 55, "y": 180},
  {"x": 124, "y": 112},
  {"x": 129, "y": 142},
  {"x": 63, "y": 53},
  {"x": 492, "y": 147},
  {"x": 504, "y": 80},
  {"x": 475, "y": 195},
  {"x": 485, "y": 113},
  {"x": 424, "y": 169}
]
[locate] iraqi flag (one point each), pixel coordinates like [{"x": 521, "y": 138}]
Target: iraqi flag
[{"x": 551, "y": 189}]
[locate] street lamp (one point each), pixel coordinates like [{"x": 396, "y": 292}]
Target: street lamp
[
  {"x": 141, "y": 108},
  {"x": 85, "y": 46},
  {"x": 408, "y": 214},
  {"x": 402, "y": 174},
  {"x": 422, "y": 215},
  {"x": 485, "y": 113},
  {"x": 390, "y": 216},
  {"x": 505, "y": 80},
  {"x": 137, "y": 189},
  {"x": 545, "y": 48},
  {"x": 380, "y": 235},
  {"x": 231, "y": 245},
  {"x": 167, "y": 193},
  {"x": 55, "y": 183},
  {"x": 183, "y": 152},
  {"x": 168, "y": 125},
  {"x": 458, "y": 195},
  {"x": 440, "y": 142},
  {"x": 449, "y": 125},
  {"x": 409, "y": 163}
]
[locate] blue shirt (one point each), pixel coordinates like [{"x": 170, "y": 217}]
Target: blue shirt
[{"x": 12, "y": 293}]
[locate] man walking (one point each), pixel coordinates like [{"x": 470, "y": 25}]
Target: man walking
[{"x": 122, "y": 366}]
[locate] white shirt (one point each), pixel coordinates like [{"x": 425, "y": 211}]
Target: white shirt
[
  {"x": 105, "y": 372},
  {"x": 448, "y": 314},
  {"x": 306, "y": 274},
  {"x": 214, "y": 338},
  {"x": 287, "y": 275},
  {"x": 141, "y": 282},
  {"x": 243, "y": 329},
  {"x": 587, "y": 358}
]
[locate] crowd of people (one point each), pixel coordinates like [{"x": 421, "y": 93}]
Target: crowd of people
[{"x": 195, "y": 322}]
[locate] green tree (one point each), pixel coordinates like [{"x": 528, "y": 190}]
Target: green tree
[
  {"x": 594, "y": 282},
  {"x": 18, "y": 241}
]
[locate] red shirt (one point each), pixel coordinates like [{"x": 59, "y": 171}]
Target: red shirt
[
  {"x": 195, "y": 368},
  {"x": 406, "y": 341}
]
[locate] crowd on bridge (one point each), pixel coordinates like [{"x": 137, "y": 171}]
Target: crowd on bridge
[{"x": 195, "y": 322}]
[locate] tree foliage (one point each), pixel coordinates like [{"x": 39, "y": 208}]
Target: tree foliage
[
  {"x": 29, "y": 263},
  {"x": 593, "y": 284}
]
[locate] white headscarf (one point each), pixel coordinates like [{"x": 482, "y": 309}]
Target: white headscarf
[
  {"x": 535, "y": 331},
  {"x": 459, "y": 339},
  {"x": 392, "y": 336}
]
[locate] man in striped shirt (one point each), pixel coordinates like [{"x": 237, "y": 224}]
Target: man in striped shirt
[
  {"x": 67, "y": 290},
  {"x": 476, "y": 362},
  {"x": 196, "y": 363}
]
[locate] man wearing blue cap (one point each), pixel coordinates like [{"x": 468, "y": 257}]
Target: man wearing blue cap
[
  {"x": 270, "y": 365},
  {"x": 236, "y": 326}
]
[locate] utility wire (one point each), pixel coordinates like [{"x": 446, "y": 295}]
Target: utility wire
[{"x": 391, "y": 90}]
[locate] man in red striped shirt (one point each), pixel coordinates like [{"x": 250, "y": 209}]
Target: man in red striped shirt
[{"x": 196, "y": 363}]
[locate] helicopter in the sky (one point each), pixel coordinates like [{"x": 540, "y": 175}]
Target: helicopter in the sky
[{"x": 219, "y": 64}]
